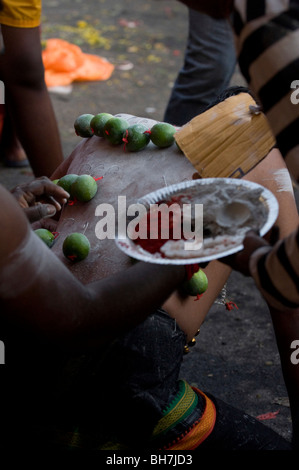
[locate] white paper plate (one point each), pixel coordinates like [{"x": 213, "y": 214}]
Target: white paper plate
[{"x": 135, "y": 251}]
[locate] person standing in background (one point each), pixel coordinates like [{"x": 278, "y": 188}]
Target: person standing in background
[
  {"x": 30, "y": 129},
  {"x": 267, "y": 48},
  {"x": 209, "y": 64}
]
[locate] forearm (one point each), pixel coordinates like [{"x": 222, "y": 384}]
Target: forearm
[
  {"x": 39, "y": 291},
  {"x": 35, "y": 123},
  {"x": 127, "y": 298},
  {"x": 27, "y": 97}
]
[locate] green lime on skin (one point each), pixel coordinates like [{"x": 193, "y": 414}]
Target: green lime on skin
[
  {"x": 46, "y": 236},
  {"x": 197, "y": 285},
  {"x": 82, "y": 125},
  {"x": 162, "y": 134},
  {"x": 66, "y": 182},
  {"x": 76, "y": 247},
  {"x": 84, "y": 188},
  {"x": 98, "y": 122},
  {"x": 114, "y": 130},
  {"x": 136, "y": 138}
]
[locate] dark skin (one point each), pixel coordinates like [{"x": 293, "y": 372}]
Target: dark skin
[
  {"x": 28, "y": 104},
  {"x": 69, "y": 314},
  {"x": 41, "y": 198},
  {"x": 240, "y": 261}
]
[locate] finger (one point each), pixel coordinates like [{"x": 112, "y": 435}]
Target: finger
[
  {"x": 50, "y": 200},
  {"x": 57, "y": 193},
  {"x": 240, "y": 260},
  {"x": 44, "y": 186},
  {"x": 40, "y": 211},
  {"x": 253, "y": 241},
  {"x": 24, "y": 198}
]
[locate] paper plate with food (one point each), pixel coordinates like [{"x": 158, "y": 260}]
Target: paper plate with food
[{"x": 197, "y": 221}]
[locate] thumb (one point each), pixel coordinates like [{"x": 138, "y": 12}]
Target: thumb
[
  {"x": 40, "y": 211},
  {"x": 253, "y": 240}
]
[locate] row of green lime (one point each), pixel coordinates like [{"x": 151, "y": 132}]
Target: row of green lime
[{"x": 118, "y": 131}]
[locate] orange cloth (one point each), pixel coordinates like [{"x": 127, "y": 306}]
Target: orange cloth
[
  {"x": 201, "y": 430},
  {"x": 65, "y": 63}
]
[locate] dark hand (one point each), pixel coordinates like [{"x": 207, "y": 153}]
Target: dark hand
[
  {"x": 40, "y": 198},
  {"x": 252, "y": 241}
]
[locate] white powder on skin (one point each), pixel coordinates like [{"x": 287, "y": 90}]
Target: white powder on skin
[
  {"x": 283, "y": 181},
  {"x": 22, "y": 267}
]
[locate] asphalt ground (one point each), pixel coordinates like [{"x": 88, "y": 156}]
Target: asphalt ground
[{"x": 235, "y": 356}]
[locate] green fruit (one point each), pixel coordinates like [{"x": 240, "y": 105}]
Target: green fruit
[
  {"x": 162, "y": 134},
  {"x": 55, "y": 181},
  {"x": 84, "y": 188},
  {"x": 76, "y": 247},
  {"x": 136, "y": 138},
  {"x": 82, "y": 125},
  {"x": 98, "y": 122},
  {"x": 66, "y": 182},
  {"x": 197, "y": 285},
  {"x": 114, "y": 130},
  {"x": 46, "y": 236}
]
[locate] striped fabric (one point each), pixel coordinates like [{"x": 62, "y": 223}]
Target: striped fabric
[
  {"x": 276, "y": 272},
  {"x": 200, "y": 430},
  {"x": 183, "y": 425},
  {"x": 267, "y": 33},
  {"x": 183, "y": 405},
  {"x": 267, "y": 41}
]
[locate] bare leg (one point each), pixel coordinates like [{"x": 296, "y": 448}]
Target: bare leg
[{"x": 12, "y": 151}]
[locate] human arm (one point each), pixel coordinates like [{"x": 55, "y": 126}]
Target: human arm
[
  {"x": 38, "y": 291},
  {"x": 275, "y": 269},
  {"x": 27, "y": 97},
  {"x": 40, "y": 198}
]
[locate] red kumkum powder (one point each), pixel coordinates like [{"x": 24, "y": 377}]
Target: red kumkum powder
[{"x": 153, "y": 245}]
